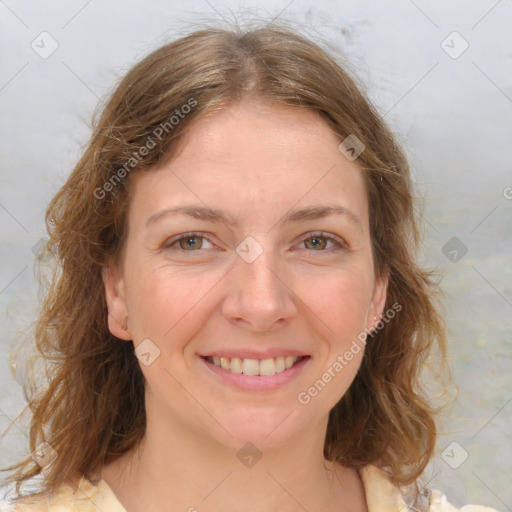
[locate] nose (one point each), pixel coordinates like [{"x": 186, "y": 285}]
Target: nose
[{"x": 260, "y": 297}]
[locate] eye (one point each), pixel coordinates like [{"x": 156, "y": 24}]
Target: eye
[
  {"x": 319, "y": 241},
  {"x": 187, "y": 242},
  {"x": 194, "y": 241}
]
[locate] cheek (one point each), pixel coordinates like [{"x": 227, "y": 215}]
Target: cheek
[
  {"x": 164, "y": 302},
  {"x": 341, "y": 309},
  {"x": 351, "y": 304},
  {"x": 340, "y": 301}
]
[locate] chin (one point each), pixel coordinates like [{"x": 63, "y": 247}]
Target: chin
[{"x": 267, "y": 429}]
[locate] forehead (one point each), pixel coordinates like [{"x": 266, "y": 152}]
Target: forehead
[
  {"x": 255, "y": 158},
  {"x": 240, "y": 131}
]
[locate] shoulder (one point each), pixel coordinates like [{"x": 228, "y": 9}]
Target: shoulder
[
  {"x": 84, "y": 497},
  {"x": 439, "y": 503},
  {"x": 380, "y": 492}
]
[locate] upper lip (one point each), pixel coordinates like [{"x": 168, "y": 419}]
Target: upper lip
[{"x": 254, "y": 354}]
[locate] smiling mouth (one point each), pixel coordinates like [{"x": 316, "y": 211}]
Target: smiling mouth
[{"x": 263, "y": 367}]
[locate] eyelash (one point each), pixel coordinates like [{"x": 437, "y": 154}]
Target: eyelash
[{"x": 340, "y": 244}]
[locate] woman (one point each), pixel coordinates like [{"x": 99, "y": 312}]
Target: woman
[{"x": 243, "y": 219}]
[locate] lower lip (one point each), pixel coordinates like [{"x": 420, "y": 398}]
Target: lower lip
[{"x": 257, "y": 382}]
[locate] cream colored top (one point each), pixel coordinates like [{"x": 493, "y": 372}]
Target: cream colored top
[{"x": 381, "y": 496}]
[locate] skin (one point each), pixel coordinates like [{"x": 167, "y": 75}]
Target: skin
[{"x": 256, "y": 162}]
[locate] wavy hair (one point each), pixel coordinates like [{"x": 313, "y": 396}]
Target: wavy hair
[{"x": 91, "y": 409}]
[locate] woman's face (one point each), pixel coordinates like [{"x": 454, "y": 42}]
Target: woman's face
[{"x": 232, "y": 258}]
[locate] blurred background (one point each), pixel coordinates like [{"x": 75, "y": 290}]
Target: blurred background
[{"x": 441, "y": 73}]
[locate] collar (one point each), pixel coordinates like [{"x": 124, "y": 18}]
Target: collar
[{"x": 381, "y": 494}]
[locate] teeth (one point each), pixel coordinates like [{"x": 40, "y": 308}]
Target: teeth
[
  {"x": 250, "y": 367},
  {"x": 267, "y": 367},
  {"x": 247, "y": 366},
  {"x": 236, "y": 365}
]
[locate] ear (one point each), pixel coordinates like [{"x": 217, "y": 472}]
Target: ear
[
  {"x": 378, "y": 301},
  {"x": 116, "y": 302}
]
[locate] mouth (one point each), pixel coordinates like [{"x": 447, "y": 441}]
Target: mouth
[{"x": 255, "y": 367}]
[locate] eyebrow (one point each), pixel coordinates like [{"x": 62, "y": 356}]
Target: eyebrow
[{"x": 214, "y": 215}]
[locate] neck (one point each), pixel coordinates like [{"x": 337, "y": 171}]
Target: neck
[{"x": 176, "y": 468}]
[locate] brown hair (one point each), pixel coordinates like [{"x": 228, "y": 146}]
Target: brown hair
[{"x": 92, "y": 409}]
